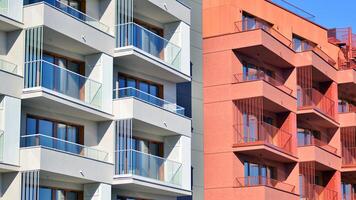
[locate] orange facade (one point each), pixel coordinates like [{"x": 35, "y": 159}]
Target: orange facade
[{"x": 279, "y": 104}]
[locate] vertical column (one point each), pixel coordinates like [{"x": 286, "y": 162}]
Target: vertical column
[
  {"x": 30, "y": 185},
  {"x": 97, "y": 191}
]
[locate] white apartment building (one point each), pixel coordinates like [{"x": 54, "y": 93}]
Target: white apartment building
[{"x": 89, "y": 105}]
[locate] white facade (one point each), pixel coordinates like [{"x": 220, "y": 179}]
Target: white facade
[{"x": 88, "y": 100}]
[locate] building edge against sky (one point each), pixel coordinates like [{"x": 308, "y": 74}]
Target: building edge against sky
[
  {"x": 279, "y": 98},
  {"x": 103, "y": 100}
]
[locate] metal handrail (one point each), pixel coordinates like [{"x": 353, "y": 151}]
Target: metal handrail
[
  {"x": 39, "y": 135},
  {"x": 133, "y": 92},
  {"x": 251, "y": 181}
]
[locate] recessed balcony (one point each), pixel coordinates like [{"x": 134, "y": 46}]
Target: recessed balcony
[
  {"x": 142, "y": 49},
  {"x": 264, "y": 188},
  {"x": 313, "y": 105},
  {"x": 47, "y": 84},
  {"x": 264, "y": 139}
]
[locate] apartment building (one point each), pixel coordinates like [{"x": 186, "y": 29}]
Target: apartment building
[
  {"x": 279, "y": 117},
  {"x": 89, "y": 100}
]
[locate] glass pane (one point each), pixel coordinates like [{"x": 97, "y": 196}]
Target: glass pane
[
  {"x": 48, "y": 72},
  {"x": 61, "y": 135},
  {"x": 31, "y": 126},
  {"x": 72, "y": 196},
  {"x": 46, "y": 128},
  {"x": 45, "y": 193},
  {"x": 297, "y": 44},
  {"x": 74, "y": 82},
  {"x": 73, "y": 137},
  {"x": 122, "y": 82},
  {"x": 59, "y": 195}
]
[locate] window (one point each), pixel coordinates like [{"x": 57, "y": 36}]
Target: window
[
  {"x": 252, "y": 72},
  {"x": 300, "y": 44},
  {"x": 257, "y": 174},
  {"x": 76, "y": 4},
  {"x": 61, "y": 80},
  {"x": 147, "y": 87},
  {"x": 250, "y": 22},
  {"x": 47, "y": 193},
  {"x": 53, "y": 134},
  {"x": 305, "y": 136}
]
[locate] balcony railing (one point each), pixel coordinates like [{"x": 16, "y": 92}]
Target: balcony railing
[
  {"x": 248, "y": 25},
  {"x": 260, "y": 75},
  {"x": 311, "y": 98},
  {"x": 148, "y": 98},
  {"x": 316, "y": 142},
  {"x": 74, "y": 13},
  {"x": 347, "y": 108},
  {"x": 322, "y": 193},
  {"x": 11, "y": 9},
  {"x": 252, "y": 181},
  {"x": 263, "y": 132},
  {"x": 348, "y": 155},
  {"x": 131, "y": 34},
  {"x": 149, "y": 166},
  {"x": 57, "y": 144},
  {"x": 8, "y": 66},
  {"x": 1, "y": 144},
  {"x": 47, "y": 75}
]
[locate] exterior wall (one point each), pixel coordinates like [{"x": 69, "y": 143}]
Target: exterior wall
[{"x": 225, "y": 50}]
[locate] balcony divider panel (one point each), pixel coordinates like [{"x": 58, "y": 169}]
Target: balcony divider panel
[{"x": 30, "y": 185}]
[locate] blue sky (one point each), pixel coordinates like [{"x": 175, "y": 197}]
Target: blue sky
[{"x": 330, "y": 13}]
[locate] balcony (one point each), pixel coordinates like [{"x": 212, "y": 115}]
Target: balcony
[
  {"x": 68, "y": 28},
  {"x": 74, "y": 13},
  {"x": 158, "y": 175},
  {"x": 146, "y": 50},
  {"x": 169, "y": 118},
  {"x": 10, "y": 15},
  {"x": 347, "y": 115},
  {"x": 48, "y": 84},
  {"x": 322, "y": 193},
  {"x": 324, "y": 155},
  {"x": 349, "y": 157},
  {"x": 8, "y": 74},
  {"x": 277, "y": 81},
  {"x": 264, "y": 139},
  {"x": 258, "y": 187},
  {"x": 260, "y": 38},
  {"x": 43, "y": 152},
  {"x": 313, "y": 105}
]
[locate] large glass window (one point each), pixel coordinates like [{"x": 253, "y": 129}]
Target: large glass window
[
  {"x": 53, "y": 134},
  {"x": 47, "y": 193},
  {"x": 300, "y": 44},
  {"x": 257, "y": 174},
  {"x": 147, "y": 87}
]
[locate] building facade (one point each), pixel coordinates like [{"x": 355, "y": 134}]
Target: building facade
[
  {"x": 96, "y": 99},
  {"x": 279, "y": 97}
]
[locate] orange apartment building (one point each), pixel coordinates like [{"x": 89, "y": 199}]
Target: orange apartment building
[{"x": 279, "y": 104}]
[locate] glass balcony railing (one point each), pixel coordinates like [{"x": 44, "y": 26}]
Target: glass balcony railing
[
  {"x": 11, "y": 9},
  {"x": 47, "y": 75},
  {"x": 131, "y": 34},
  {"x": 148, "y": 98},
  {"x": 74, "y": 13},
  {"x": 141, "y": 164},
  {"x": 63, "y": 145},
  {"x": 1, "y": 145},
  {"x": 8, "y": 66}
]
